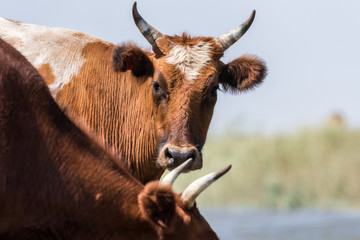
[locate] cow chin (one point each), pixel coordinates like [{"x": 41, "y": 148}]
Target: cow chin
[{"x": 171, "y": 156}]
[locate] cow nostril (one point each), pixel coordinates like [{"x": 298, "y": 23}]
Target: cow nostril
[
  {"x": 168, "y": 154},
  {"x": 190, "y": 154},
  {"x": 169, "y": 157}
]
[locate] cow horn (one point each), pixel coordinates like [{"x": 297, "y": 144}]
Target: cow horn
[
  {"x": 149, "y": 32},
  {"x": 173, "y": 174},
  {"x": 199, "y": 185},
  {"x": 236, "y": 33}
]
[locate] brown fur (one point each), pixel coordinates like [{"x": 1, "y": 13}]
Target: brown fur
[
  {"x": 111, "y": 106},
  {"x": 46, "y": 72},
  {"x": 57, "y": 183}
]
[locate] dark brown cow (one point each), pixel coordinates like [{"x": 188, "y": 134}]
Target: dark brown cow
[
  {"x": 57, "y": 183},
  {"x": 155, "y": 109}
]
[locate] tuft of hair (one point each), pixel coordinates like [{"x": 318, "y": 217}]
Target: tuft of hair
[{"x": 13, "y": 21}]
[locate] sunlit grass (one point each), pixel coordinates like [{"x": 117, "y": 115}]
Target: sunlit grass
[{"x": 311, "y": 168}]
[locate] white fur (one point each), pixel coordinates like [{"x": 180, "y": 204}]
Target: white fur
[
  {"x": 190, "y": 59},
  {"x": 60, "y": 48}
]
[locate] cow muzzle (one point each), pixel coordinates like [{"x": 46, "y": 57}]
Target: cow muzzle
[{"x": 172, "y": 156}]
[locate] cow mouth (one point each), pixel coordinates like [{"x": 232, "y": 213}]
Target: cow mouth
[{"x": 171, "y": 156}]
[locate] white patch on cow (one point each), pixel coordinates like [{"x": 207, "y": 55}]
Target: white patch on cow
[
  {"x": 60, "y": 48},
  {"x": 190, "y": 59}
]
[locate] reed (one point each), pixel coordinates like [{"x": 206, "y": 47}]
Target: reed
[{"x": 314, "y": 167}]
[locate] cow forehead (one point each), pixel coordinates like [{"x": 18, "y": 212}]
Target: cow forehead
[{"x": 190, "y": 59}]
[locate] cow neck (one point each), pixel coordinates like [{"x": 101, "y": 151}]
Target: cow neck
[{"x": 117, "y": 106}]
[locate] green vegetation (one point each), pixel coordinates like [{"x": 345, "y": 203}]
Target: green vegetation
[{"x": 311, "y": 168}]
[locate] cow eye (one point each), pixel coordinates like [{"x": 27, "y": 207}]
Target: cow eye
[
  {"x": 156, "y": 87},
  {"x": 158, "y": 93}
]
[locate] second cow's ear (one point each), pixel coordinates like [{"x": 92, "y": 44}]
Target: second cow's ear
[
  {"x": 157, "y": 204},
  {"x": 130, "y": 57},
  {"x": 242, "y": 74}
]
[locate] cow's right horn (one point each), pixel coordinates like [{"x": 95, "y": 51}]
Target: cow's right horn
[{"x": 149, "y": 32}]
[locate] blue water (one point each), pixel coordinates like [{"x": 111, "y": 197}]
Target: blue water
[{"x": 267, "y": 224}]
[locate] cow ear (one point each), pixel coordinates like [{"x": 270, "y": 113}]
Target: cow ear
[
  {"x": 130, "y": 57},
  {"x": 242, "y": 74},
  {"x": 157, "y": 204}
]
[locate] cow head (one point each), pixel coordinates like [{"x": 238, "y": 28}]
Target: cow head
[
  {"x": 176, "y": 216},
  {"x": 185, "y": 74}
]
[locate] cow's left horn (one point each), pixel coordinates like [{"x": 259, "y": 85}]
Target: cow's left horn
[
  {"x": 199, "y": 185},
  {"x": 173, "y": 174},
  {"x": 236, "y": 33},
  {"x": 149, "y": 32}
]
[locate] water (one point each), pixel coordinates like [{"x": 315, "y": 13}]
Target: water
[{"x": 266, "y": 224}]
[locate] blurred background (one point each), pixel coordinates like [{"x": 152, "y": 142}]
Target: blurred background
[{"x": 294, "y": 142}]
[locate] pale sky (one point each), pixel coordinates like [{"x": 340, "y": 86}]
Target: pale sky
[{"x": 311, "y": 49}]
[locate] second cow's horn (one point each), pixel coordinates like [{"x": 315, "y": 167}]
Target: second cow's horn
[{"x": 199, "y": 185}]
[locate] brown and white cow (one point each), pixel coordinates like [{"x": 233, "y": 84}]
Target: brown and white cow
[
  {"x": 154, "y": 108},
  {"x": 58, "y": 183}
]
